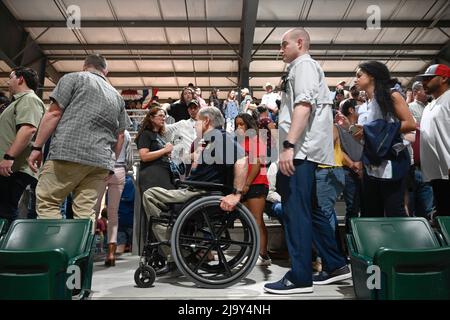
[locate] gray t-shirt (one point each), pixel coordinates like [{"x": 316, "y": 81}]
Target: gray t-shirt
[{"x": 93, "y": 115}]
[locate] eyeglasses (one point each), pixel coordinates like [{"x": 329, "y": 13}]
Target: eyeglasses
[{"x": 160, "y": 115}]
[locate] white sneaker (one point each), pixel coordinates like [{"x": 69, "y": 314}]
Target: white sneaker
[{"x": 264, "y": 261}]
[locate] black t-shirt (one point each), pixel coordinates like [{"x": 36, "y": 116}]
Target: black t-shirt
[
  {"x": 179, "y": 111},
  {"x": 218, "y": 158},
  {"x": 154, "y": 142}
]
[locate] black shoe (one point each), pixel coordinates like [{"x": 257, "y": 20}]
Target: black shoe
[
  {"x": 169, "y": 267},
  {"x": 337, "y": 275}
]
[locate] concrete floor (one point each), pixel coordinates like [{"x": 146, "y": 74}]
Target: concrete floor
[{"x": 118, "y": 283}]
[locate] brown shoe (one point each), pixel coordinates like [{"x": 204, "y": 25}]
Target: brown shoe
[{"x": 111, "y": 257}]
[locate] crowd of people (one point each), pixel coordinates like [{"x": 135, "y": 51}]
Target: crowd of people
[{"x": 292, "y": 155}]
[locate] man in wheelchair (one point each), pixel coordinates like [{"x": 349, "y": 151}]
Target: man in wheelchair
[{"x": 215, "y": 156}]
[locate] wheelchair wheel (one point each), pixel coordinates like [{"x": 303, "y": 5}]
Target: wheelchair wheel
[
  {"x": 144, "y": 276},
  {"x": 203, "y": 227}
]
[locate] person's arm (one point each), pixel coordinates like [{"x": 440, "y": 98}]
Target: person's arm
[
  {"x": 403, "y": 114},
  {"x": 48, "y": 125},
  {"x": 23, "y": 138},
  {"x": 300, "y": 118},
  {"x": 247, "y": 104},
  {"x": 146, "y": 155},
  {"x": 229, "y": 202},
  {"x": 119, "y": 144}
]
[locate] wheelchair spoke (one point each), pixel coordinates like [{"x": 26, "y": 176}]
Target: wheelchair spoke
[
  {"x": 208, "y": 222},
  {"x": 239, "y": 243},
  {"x": 224, "y": 261},
  {"x": 223, "y": 226},
  {"x": 202, "y": 260}
]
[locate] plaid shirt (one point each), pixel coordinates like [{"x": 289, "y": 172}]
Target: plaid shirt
[{"x": 93, "y": 115}]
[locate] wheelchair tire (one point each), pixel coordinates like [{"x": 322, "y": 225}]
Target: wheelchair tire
[
  {"x": 144, "y": 276},
  {"x": 243, "y": 247}
]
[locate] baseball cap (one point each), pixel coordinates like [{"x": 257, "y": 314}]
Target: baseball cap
[
  {"x": 436, "y": 70},
  {"x": 193, "y": 102},
  {"x": 245, "y": 90}
]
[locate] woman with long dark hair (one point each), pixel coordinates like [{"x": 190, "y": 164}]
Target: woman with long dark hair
[
  {"x": 154, "y": 152},
  {"x": 257, "y": 185},
  {"x": 383, "y": 191}
]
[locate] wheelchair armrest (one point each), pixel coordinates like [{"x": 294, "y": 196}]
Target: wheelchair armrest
[{"x": 208, "y": 186}]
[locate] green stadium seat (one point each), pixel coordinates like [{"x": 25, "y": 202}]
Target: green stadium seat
[
  {"x": 35, "y": 256},
  {"x": 411, "y": 261},
  {"x": 444, "y": 225},
  {"x": 3, "y": 227}
]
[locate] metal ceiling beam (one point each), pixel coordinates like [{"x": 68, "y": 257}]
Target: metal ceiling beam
[
  {"x": 128, "y": 74},
  {"x": 230, "y": 57},
  {"x": 17, "y": 48},
  {"x": 442, "y": 57},
  {"x": 249, "y": 14},
  {"x": 235, "y": 24},
  {"x": 225, "y": 47}
]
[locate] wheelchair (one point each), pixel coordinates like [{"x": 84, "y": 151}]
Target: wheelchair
[{"x": 200, "y": 230}]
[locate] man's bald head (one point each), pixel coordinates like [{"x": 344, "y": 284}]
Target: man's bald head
[
  {"x": 299, "y": 33},
  {"x": 295, "y": 42}
]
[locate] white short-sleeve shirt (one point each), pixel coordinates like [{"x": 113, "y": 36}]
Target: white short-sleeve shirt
[{"x": 435, "y": 139}]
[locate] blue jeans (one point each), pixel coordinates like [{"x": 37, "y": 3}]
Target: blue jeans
[
  {"x": 352, "y": 196},
  {"x": 300, "y": 223},
  {"x": 421, "y": 198},
  {"x": 296, "y": 197},
  {"x": 125, "y": 235},
  {"x": 329, "y": 185}
]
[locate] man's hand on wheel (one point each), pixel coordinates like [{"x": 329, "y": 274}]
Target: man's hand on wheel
[{"x": 229, "y": 202}]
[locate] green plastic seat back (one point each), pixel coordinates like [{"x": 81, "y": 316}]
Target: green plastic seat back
[
  {"x": 444, "y": 224},
  {"x": 45, "y": 234},
  {"x": 2, "y": 225},
  {"x": 370, "y": 234}
]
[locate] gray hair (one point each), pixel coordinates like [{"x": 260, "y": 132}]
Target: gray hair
[
  {"x": 96, "y": 61},
  {"x": 214, "y": 115},
  {"x": 417, "y": 86}
]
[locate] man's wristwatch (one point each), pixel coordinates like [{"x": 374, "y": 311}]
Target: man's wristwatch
[
  {"x": 8, "y": 157},
  {"x": 36, "y": 148},
  {"x": 236, "y": 191},
  {"x": 288, "y": 145}
]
